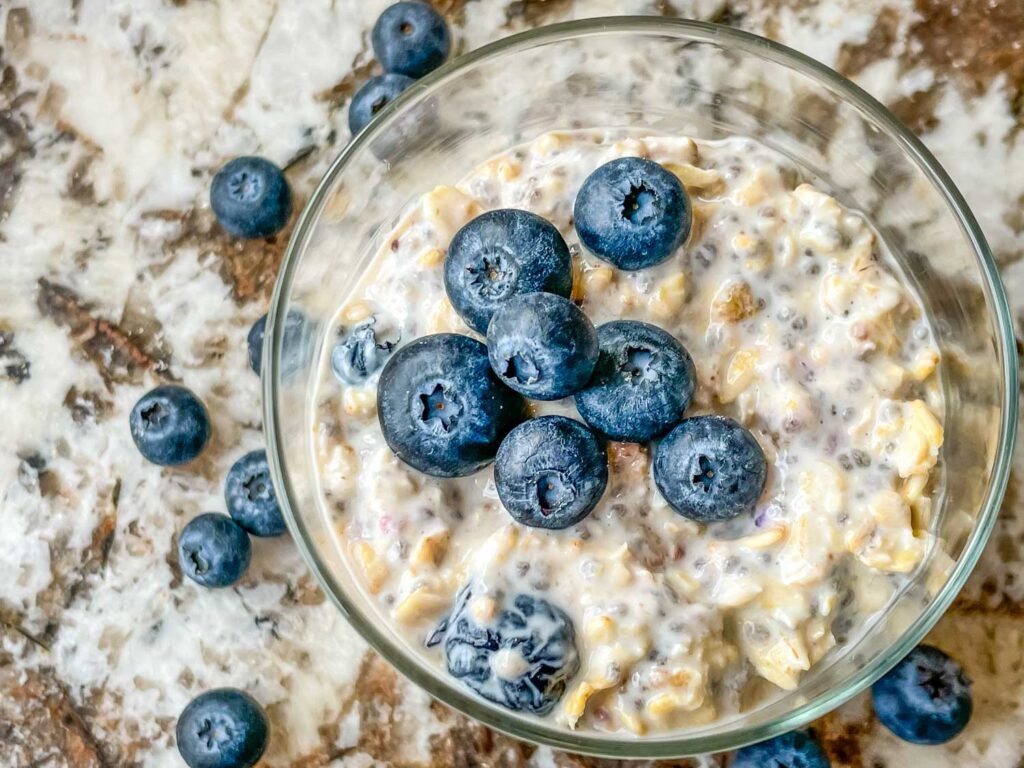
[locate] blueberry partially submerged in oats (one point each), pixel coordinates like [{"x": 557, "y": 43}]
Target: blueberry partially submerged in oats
[
  {"x": 360, "y": 354},
  {"x": 518, "y": 652}
]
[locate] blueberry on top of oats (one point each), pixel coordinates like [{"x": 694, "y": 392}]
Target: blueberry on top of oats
[
  {"x": 501, "y": 254},
  {"x": 249, "y": 494},
  {"x": 411, "y": 38},
  {"x": 795, "y": 749},
  {"x": 633, "y": 213},
  {"x": 642, "y": 384},
  {"x": 170, "y": 425},
  {"x": 925, "y": 699},
  {"x": 213, "y": 550},
  {"x": 710, "y": 468},
  {"x": 251, "y": 198},
  {"x": 550, "y": 472},
  {"x": 359, "y": 355},
  {"x": 518, "y": 654},
  {"x": 375, "y": 94},
  {"x": 222, "y": 728},
  {"x": 441, "y": 408},
  {"x": 542, "y": 345}
]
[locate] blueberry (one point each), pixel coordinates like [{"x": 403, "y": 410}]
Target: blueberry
[
  {"x": 642, "y": 384},
  {"x": 542, "y": 346},
  {"x": 710, "y": 468},
  {"x": 213, "y": 550},
  {"x": 501, "y": 254},
  {"x": 222, "y": 728},
  {"x": 441, "y": 408},
  {"x": 550, "y": 472},
  {"x": 411, "y": 38},
  {"x": 375, "y": 94},
  {"x": 359, "y": 355},
  {"x": 522, "y": 660},
  {"x": 925, "y": 699},
  {"x": 251, "y": 198},
  {"x": 633, "y": 213},
  {"x": 170, "y": 425},
  {"x": 795, "y": 749},
  {"x": 295, "y": 332},
  {"x": 249, "y": 494}
]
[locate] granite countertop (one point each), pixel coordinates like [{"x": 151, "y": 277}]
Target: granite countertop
[{"x": 113, "y": 277}]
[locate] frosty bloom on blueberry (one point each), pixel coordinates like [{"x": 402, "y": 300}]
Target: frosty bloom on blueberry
[
  {"x": 170, "y": 425},
  {"x": 222, "y": 728},
  {"x": 442, "y": 409},
  {"x": 633, "y": 213},
  {"x": 251, "y": 197},
  {"x": 411, "y": 38},
  {"x": 501, "y": 254}
]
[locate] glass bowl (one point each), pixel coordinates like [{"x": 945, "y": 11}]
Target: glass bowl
[{"x": 667, "y": 77}]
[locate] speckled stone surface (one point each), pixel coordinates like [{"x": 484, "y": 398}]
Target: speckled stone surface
[{"x": 113, "y": 277}]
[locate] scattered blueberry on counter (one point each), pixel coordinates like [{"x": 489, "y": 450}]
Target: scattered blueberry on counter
[
  {"x": 710, "y": 468},
  {"x": 251, "y": 198},
  {"x": 550, "y": 472},
  {"x": 411, "y": 38},
  {"x": 796, "y": 749},
  {"x": 521, "y": 660},
  {"x": 222, "y": 728},
  {"x": 925, "y": 699},
  {"x": 501, "y": 254},
  {"x": 542, "y": 345},
  {"x": 295, "y": 333},
  {"x": 359, "y": 355},
  {"x": 642, "y": 384},
  {"x": 213, "y": 550},
  {"x": 250, "y": 497},
  {"x": 633, "y": 213},
  {"x": 375, "y": 94},
  {"x": 441, "y": 408},
  {"x": 170, "y": 425}
]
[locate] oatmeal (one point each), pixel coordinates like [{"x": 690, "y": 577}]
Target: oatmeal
[{"x": 798, "y": 329}]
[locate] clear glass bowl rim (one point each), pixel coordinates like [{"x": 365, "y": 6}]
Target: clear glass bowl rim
[{"x": 671, "y": 745}]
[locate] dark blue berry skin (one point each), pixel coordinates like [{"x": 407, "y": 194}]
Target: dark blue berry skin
[
  {"x": 294, "y": 333},
  {"x": 642, "y": 384},
  {"x": 542, "y": 346},
  {"x": 501, "y": 254},
  {"x": 249, "y": 494},
  {"x": 441, "y": 408},
  {"x": 251, "y": 198},
  {"x": 710, "y": 468},
  {"x": 359, "y": 355},
  {"x": 925, "y": 699},
  {"x": 375, "y": 94},
  {"x": 411, "y": 38},
  {"x": 633, "y": 213},
  {"x": 222, "y": 728},
  {"x": 541, "y": 633},
  {"x": 550, "y": 472},
  {"x": 795, "y": 749},
  {"x": 170, "y": 425},
  {"x": 213, "y": 550}
]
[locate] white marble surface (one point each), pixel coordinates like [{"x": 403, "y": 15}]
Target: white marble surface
[{"x": 113, "y": 114}]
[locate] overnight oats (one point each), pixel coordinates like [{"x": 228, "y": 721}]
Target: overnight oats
[{"x": 630, "y": 432}]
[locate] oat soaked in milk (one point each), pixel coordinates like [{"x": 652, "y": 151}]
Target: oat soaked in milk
[{"x": 799, "y": 329}]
